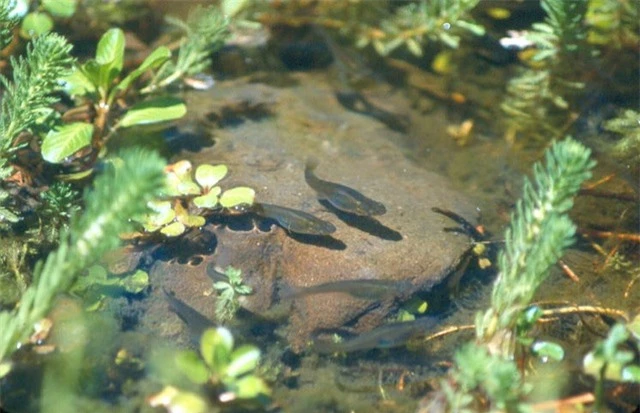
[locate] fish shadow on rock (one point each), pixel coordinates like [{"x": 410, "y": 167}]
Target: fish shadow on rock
[{"x": 363, "y": 223}]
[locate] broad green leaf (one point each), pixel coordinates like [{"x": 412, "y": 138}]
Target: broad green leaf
[
  {"x": 153, "y": 111},
  {"x": 136, "y": 282},
  {"x": 250, "y": 387},
  {"x": 243, "y": 360},
  {"x": 65, "y": 141},
  {"x": 208, "y": 200},
  {"x": 35, "y": 24},
  {"x": 110, "y": 49},
  {"x": 546, "y": 349},
  {"x": 60, "y": 8},
  {"x": 215, "y": 346},
  {"x": 78, "y": 84},
  {"x": 155, "y": 59},
  {"x": 209, "y": 175},
  {"x": 629, "y": 374},
  {"x": 191, "y": 220},
  {"x": 190, "y": 364},
  {"x": 110, "y": 57},
  {"x": 237, "y": 196},
  {"x": 188, "y": 402},
  {"x": 5, "y": 368},
  {"x": 91, "y": 70},
  {"x": 174, "y": 229}
]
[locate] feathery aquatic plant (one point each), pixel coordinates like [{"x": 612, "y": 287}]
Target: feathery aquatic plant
[{"x": 119, "y": 194}]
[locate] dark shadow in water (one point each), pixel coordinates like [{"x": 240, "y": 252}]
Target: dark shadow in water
[
  {"x": 186, "y": 248},
  {"x": 366, "y": 224},
  {"x": 237, "y": 113},
  {"x": 324, "y": 241},
  {"x": 192, "y": 138},
  {"x": 355, "y": 102}
]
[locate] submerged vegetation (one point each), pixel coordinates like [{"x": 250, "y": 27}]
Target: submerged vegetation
[{"x": 63, "y": 110}]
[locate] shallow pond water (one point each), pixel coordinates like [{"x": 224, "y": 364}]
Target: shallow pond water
[{"x": 398, "y": 143}]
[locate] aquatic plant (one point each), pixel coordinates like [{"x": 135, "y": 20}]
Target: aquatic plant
[
  {"x": 191, "y": 200},
  {"x": 608, "y": 361},
  {"x": 230, "y": 372},
  {"x": 41, "y": 19},
  {"x": 205, "y": 31},
  {"x": 228, "y": 293},
  {"x": 59, "y": 203},
  {"x": 540, "y": 89},
  {"x": 539, "y": 232},
  {"x": 384, "y": 25},
  {"x": 627, "y": 148},
  {"x": 119, "y": 194},
  {"x": 25, "y": 107}
]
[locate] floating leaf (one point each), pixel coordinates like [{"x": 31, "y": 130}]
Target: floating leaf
[
  {"x": 163, "y": 214},
  {"x": 179, "y": 180},
  {"x": 35, "y": 24},
  {"x": 243, "y": 360},
  {"x": 190, "y": 364},
  {"x": 174, "y": 229},
  {"x": 208, "y": 200},
  {"x": 65, "y": 140},
  {"x": 237, "y": 196},
  {"x": 136, "y": 282},
  {"x": 215, "y": 346},
  {"x": 60, "y": 8},
  {"x": 156, "y": 110},
  {"x": 250, "y": 387},
  {"x": 208, "y": 175},
  {"x": 546, "y": 349}
]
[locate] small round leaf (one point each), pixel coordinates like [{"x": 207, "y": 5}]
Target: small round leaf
[
  {"x": 237, "y": 196},
  {"x": 208, "y": 175}
]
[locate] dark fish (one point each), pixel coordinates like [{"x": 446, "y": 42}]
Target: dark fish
[
  {"x": 386, "y": 336},
  {"x": 365, "y": 289},
  {"x": 340, "y": 196},
  {"x": 195, "y": 321},
  {"x": 215, "y": 274},
  {"x": 294, "y": 220}
]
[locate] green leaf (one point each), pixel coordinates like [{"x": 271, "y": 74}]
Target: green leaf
[
  {"x": 174, "y": 229},
  {"x": 162, "y": 215},
  {"x": 65, "y": 140},
  {"x": 208, "y": 200},
  {"x": 110, "y": 57},
  {"x": 5, "y": 368},
  {"x": 154, "y": 60},
  {"x": 35, "y": 24},
  {"x": 78, "y": 84},
  {"x": 232, "y": 7},
  {"x": 60, "y": 8},
  {"x": 190, "y": 364},
  {"x": 153, "y": 111},
  {"x": 250, "y": 387},
  {"x": 546, "y": 349},
  {"x": 629, "y": 374},
  {"x": 136, "y": 282},
  {"x": 243, "y": 360},
  {"x": 208, "y": 175},
  {"x": 215, "y": 346},
  {"x": 237, "y": 196}
]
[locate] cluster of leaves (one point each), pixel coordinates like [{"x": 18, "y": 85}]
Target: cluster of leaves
[
  {"x": 229, "y": 371},
  {"x": 385, "y": 26},
  {"x": 191, "y": 199},
  {"x": 97, "y": 284},
  {"x": 540, "y": 88},
  {"x": 227, "y": 303},
  {"x": 539, "y": 232},
  {"x": 41, "y": 20},
  {"x": 627, "y": 148},
  {"x": 613, "y": 23},
  {"x": 609, "y": 361},
  {"x": 120, "y": 193}
]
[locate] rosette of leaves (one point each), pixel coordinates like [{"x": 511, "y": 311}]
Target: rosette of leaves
[
  {"x": 96, "y": 81},
  {"x": 98, "y": 284},
  {"x": 229, "y": 291},
  {"x": 230, "y": 371},
  {"x": 200, "y": 193}
]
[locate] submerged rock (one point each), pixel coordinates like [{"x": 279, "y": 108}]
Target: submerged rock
[{"x": 268, "y": 153}]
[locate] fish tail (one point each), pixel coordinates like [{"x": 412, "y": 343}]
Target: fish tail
[{"x": 288, "y": 292}]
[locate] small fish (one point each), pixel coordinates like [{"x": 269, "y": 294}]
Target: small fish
[
  {"x": 386, "y": 336},
  {"x": 294, "y": 220},
  {"x": 195, "y": 321},
  {"x": 340, "y": 196},
  {"x": 364, "y": 289},
  {"x": 216, "y": 274}
]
